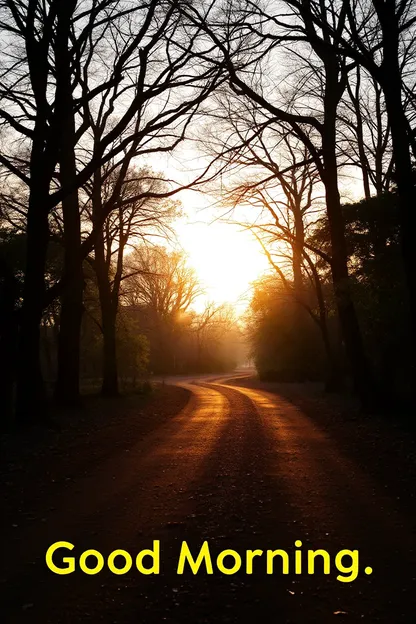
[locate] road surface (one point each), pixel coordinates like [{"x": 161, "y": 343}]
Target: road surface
[{"x": 242, "y": 468}]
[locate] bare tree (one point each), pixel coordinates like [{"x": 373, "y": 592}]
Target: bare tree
[
  {"x": 161, "y": 288},
  {"x": 380, "y": 37},
  {"x": 133, "y": 219},
  {"x": 209, "y": 327},
  {"x": 366, "y": 132},
  {"x": 311, "y": 116},
  {"x": 55, "y": 87},
  {"x": 283, "y": 196}
]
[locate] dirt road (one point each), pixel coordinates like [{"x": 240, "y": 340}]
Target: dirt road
[{"x": 243, "y": 468}]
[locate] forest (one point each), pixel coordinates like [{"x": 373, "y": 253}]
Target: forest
[{"x": 300, "y": 120}]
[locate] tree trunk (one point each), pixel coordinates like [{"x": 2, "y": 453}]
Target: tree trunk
[
  {"x": 30, "y": 394},
  {"x": 354, "y": 346},
  {"x": 300, "y": 314},
  {"x": 108, "y": 301},
  {"x": 351, "y": 332},
  {"x": 109, "y": 386},
  {"x": 67, "y": 391},
  {"x": 8, "y": 338},
  {"x": 297, "y": 250},
  {"x": 67, "y": 385},
  {"x": 404, "y": 175},
  {"x": 334, "y": 380},
  {"x": 355, "y": 98},
  {"x": 110, "y": 372}
]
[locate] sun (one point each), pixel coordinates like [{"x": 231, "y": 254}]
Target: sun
[{"x": 226, "y": 258}]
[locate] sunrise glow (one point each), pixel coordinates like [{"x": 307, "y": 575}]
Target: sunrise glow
[{"x": 226, "y": 258}]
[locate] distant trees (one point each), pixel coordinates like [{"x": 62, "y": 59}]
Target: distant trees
[
  {"x": 161, "y": 289},
  {"x": 133, "y": 217},
  {"x": 214, "y": 341},
  {"x": 159, "y": 292},
  {"x": 273, "y": 332}
]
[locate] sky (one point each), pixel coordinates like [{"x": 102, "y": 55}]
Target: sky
[{"x": 226, "y": 258}]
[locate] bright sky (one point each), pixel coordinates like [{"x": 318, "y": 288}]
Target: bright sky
[{"x": 226, "y": 258}]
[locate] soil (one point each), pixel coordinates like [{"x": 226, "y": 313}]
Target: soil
[{"x": 240, "y": 464}]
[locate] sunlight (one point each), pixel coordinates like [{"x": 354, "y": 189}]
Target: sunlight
[{"x": 226, "y": 259}]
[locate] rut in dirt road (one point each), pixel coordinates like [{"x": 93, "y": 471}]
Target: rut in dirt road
[
  {"x": 243, "y": 469},
  {"x": 336, "y": 505}
]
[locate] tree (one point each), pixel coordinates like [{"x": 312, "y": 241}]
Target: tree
[
  {"x": 67, "y": 383},
  {"x": 218, "y": 339},
  {"x": 282, "y": 194},
  {"x": 131, "y": 345},
  {"x": 373, "y": 239},
  {"x": 366, "y": 132},
  {"x": 316, "y": 48},
  {"x": 133, "y": 219},
  {"x": 55, "y": 89},
  {"x": 272, "y": 332},
  {"x": 161, "y": 289},
  {"x": 380, "y": 37}
]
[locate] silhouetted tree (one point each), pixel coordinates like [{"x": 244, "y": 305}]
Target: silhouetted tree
[
  {"x": 55, "y": 88},
  {"x": 134, "y": 218},
  {"x": 327, "y": 70},
  {"x": 162, "y": 288},
  {"x": 379, "y": 282},
  {"x": 283, "y": 195},
  {"x": 366, "y": 132},
  {"x": 380, "y": 37}
]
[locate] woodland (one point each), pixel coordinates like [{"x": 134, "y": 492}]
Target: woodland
[{"x": 300, "y": 118}]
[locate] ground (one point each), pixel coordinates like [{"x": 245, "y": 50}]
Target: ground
[{"x": 241, "y": 464}]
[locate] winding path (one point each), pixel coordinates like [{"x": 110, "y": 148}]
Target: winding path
[{"x": 244, "y": 469}]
